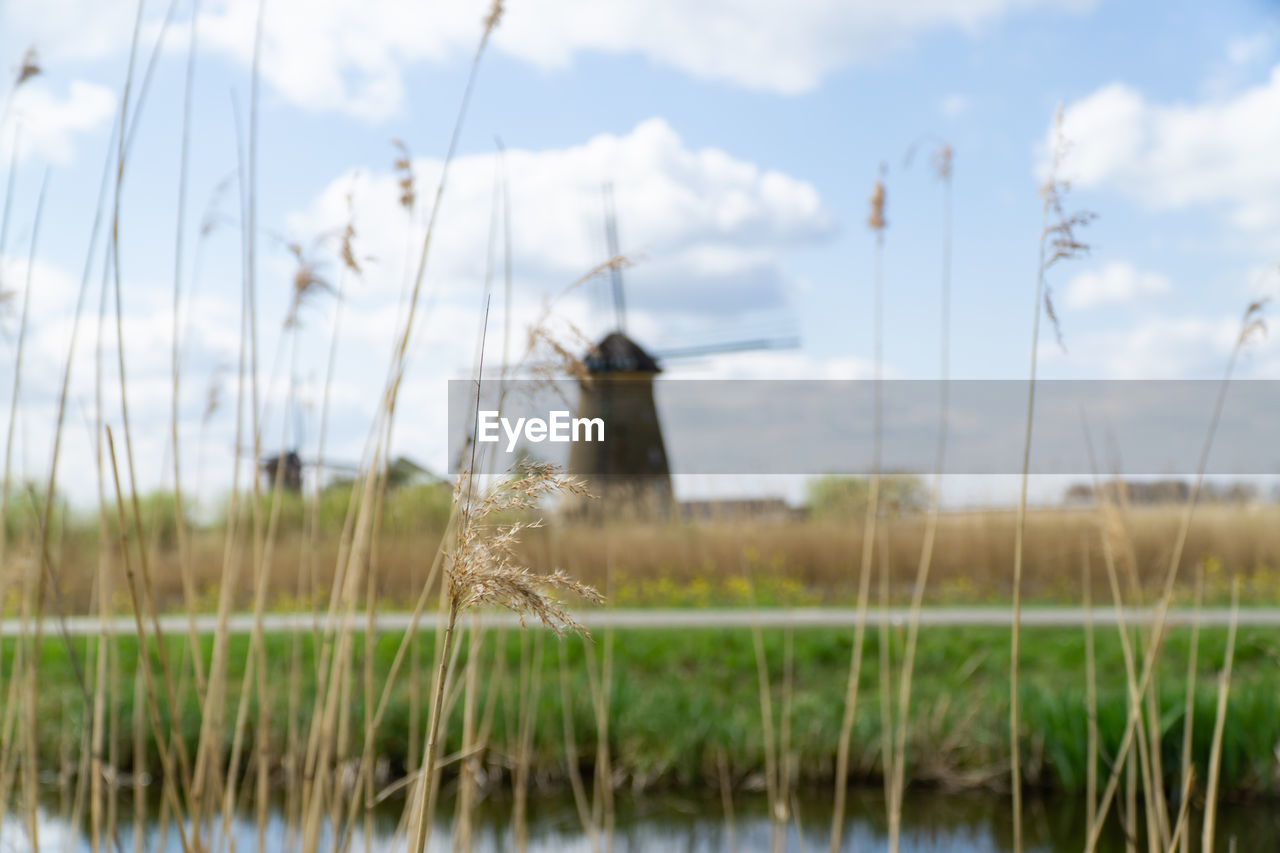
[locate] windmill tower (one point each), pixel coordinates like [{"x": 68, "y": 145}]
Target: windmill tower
[{"x": 630, "y": 471}]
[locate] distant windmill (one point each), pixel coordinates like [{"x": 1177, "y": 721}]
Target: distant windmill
[
  {"x": 288, "y": 466},
  {"x": 631, "y": 467}
]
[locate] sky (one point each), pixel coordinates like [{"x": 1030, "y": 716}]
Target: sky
[{"x": 742, "y": 140}]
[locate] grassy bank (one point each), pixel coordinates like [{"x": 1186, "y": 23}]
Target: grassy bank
[{"x": 681, "y": 700}]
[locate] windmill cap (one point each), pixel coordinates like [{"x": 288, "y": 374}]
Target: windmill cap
[{"x": 617, "y": 353}]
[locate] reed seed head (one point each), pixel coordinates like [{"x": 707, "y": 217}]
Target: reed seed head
[
  {"x": 307, "y": 282},
  {"x": 213, "y": 395},
  {"x": 407, "y": 181},
  {"x": 493, "y": 17},
  {"x": 942, "y": 161},
  {"x": 346, "y": 249},
  {"x": 1060, "y": 237},
  {"x": 485, "y": 569},
  {"x": 1253, "y": 324},
  {"x": 876, "y": 221},
  {"x": 29, "y": 67}
]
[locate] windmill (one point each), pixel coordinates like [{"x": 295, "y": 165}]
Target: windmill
[
  {"x": 288, "y": 466},
  {"x": 631, "y": 469}
]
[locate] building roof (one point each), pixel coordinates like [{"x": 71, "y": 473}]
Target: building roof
[{"x": 617, "y": 353}]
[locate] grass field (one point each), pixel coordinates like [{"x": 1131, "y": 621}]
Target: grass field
[
  {"x": 682, "y": 700},
  {"x": 697, "y": 565}
]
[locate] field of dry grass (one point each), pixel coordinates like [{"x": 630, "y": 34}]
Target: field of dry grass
[{"x": 791, "y": 562}]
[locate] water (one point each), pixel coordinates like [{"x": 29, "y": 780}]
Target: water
[{"x": 932, "y": 821}]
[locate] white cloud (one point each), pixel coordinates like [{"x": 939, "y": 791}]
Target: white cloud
[
  {"x": 706, "y": 229},
  {"x": 1250, "y": 48},
  {"x": 64, "y": 29},
  {"x": 1116, "y": 283},
  {"x": 351, "y": 57},
  {"x": 1216, "y": 152},
  {"x": 954, "y": 105},
  {"x": 792, "y": 364},
  {"x": 1165, "y": 347},
  {"x": 49, "y": 122}
]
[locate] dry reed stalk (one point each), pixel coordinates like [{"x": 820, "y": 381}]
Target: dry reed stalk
[
  {"x": 343, "y": 829},
  {"x": 13, "y": 403},
  {"x": 292, "y": 819},
  {"x": 415, "y": 704},
  {"x": 1117, "y": 547},
  {"x": 121, "y": 159},
  {"x": 46, "y": 568},
  {"x": 29, "y": 67},
  {"x": 24, "y": 757},
  {"x": 100, "y": 684},
  {"x": 208, "y": 770},
  {"x": 497, "y": 674},
  {"x": 311, "y": 548},
  {"x": 81, "y": 769},
  {"x": 1091, "y": 697},
  {"x": 1189, "y": 704},
  {"x": 888, "y": 757},
  {"x": 1251, "y": 324},
  {"x": 571, "y": 756},
  {"x": 452, "y": 691},
  {"x": 31, "y": 674},
  {"x": 601, "y": 687},
  {"x": 726, "y": 799},
  {"x": 8, "y": 726},
  {"x": 943, "y": 170},
  {"x": 139, "y": 754},
  {"x": 482, "y": 571},
  {"x": 169, "y": 775},
  {"x": 876, "y": 221},
  {"x": 19, "y": 347},
  {"x": 470, "y": 758},
  {"x": 785, "y": 789},
  {"x": 370, "y": 643},
  {"x": 1057, "y": 242},
  {"x": 263, "y": 540},
  {"x": 335, "y": 651},
  {"x": 1219, "y": 725},
  {"x": 530, "y": 693},
  {"x": 1129, "y": 819},
  {"x": 1134, "y": 696},
  {"x": 223, "y": 785},
  {"x": 408, "y": 641},
  {"x": 64, "y": 766},
  {"x": 1159, "y": 814},
  {"x": 1149, "y": 750},
  {"x": 107, "y": 663},
  {"x": 777, "y": 808},
  {"x": 113, "y": 746},
  {"x": 29, "y": 678},
  {"x": 185, "y": 569},
  {"x": 247, "y": 364},
  {"x": 1180, "y": 832},
  {"x": 77, "y": 769},
  {"x": 15, "y": 676}
]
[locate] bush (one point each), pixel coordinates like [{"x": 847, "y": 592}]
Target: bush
[{"x": 838, "y": 496}]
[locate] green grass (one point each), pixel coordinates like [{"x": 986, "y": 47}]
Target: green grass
[{"x": 680, "y": 697}]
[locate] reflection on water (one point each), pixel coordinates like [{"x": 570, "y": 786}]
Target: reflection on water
[{"x": 932, "y": 821}]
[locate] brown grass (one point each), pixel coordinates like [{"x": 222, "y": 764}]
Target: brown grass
[{"x": 800, "y": 562}]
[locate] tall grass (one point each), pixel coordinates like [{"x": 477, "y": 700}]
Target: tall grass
[{"x": 876, "y": 222}]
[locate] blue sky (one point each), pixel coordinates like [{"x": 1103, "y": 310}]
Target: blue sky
[{"x": 743, "y": 139}]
